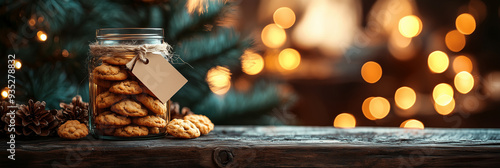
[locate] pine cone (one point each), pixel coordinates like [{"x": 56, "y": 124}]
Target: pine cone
[
  {"x": 76, "y": 110},
  {"x": 33, "y": 119},
  {"x": 176, "y": 113}
]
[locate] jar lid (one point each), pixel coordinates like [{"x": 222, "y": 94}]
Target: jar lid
[{"x": 129, "y": 33}]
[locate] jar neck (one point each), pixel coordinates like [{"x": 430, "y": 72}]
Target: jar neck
[{"x": 129, "y": 36}]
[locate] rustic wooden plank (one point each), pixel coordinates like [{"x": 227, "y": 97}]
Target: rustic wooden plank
[{"x": 258, "y": 146}]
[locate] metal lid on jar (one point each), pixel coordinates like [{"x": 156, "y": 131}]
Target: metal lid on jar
[{"x": 129, "y": 33}]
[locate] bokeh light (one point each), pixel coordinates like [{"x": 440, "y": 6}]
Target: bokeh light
[
  {"x": 5, "y": 92},
  {"x": 65, "y": 53},
  {"x": 32, "y": 22},
  {"x": 455, "y": 41},
  {"x": 462, "y": 63},
  {"x": 410, "y": 26},
  {"x": 284, "y": 17},
  {"x": 219, "y": 80},
  {"x": 438, "y": 61},
  {"x": 17, "y": 64},
  {"x": 379, "y": 107},
  {"x": 371, "y": 72},
  {"x": 442, "y": 94},
  {"x": 289, "y": 59},
  {"x": 405, "y": 97},
  {"x": 365, "y": 107},
  {"x": 465, "y": 23},
  {"x": 344, "y": 120},
  {"x": 464, "y": 82},
  {"x": 412, "y": 124},
  {"x": 252, "y": 63},
  {"x": 41, "y": 35},
  {"x": 273, "y": 36},
  {"x": 446, "y": 109}
]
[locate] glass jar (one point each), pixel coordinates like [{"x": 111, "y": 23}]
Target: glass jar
[{"x": 121, "y": 107}]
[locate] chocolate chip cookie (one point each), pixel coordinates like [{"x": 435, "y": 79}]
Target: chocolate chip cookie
[
  {"x": 109, "y": 72},
  {"x": 202, "y": 123},
  {"x": 110, "y": 118},
  {"x": 117, "y": 60},
  {"x": 129, "y": 107},
  {"x": 182, "y": 129},
  {"x": 131, "y": 131},
  {"x": 72, "y": 129},
  {"x": 126, "y": 87},
  {"x": 150, "y": 121},
  {"x": 106, "y": 99},
  {"x": 153, "y": 104}
]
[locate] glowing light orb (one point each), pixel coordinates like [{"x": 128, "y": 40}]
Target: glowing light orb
[
  {"x": 344, "y": 120},
  {"x": 371, "y": 72}
]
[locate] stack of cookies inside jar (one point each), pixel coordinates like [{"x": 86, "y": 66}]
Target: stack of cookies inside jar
[{"x": 122, "y": 106}]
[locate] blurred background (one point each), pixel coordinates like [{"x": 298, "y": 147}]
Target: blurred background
[{"x": 346, "y": 63}]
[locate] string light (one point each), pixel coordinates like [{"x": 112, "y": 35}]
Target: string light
[
  {"x": 379, "y": 107},
  {"x": 5, "y": 92},
  {"x": 65, "y": 53},
  {"x": 410, "y": 26},
  {"x": 442, "y": 94},
  {"x": 284, "y": 17},
  {"x": 462, "y": 63},
  {"x": 17, "y": 64},
  {"x": 464, "y": 82},
  {"x": 365, "y": 107},
  {"x": 252, "y": 63},
  {"x": 446, "y": 109},
  {"x": 465, "y": 23},
  {"x": 455, "y": 41},
  {"x": 412, "y": 124},
  {"x": 219, "y": 80},
  {"x": 41, "y": 35},
  {"x": 289, "y": 59},
  {"x": 405, "y": 97},
  {"x": 273, "y": 36},
  {"x": 344, "y": 120},
  {"x": 438, "y": 61},
  {"x": 371, "y": 72}
]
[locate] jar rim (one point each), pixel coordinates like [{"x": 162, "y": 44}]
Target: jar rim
[{"x": 129, "y": 33}]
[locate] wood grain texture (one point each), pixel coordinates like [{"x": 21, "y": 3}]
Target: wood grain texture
[{"x": 258, "y": 146}]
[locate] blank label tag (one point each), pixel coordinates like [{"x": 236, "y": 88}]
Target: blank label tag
[{"x": 159, "y": 76}]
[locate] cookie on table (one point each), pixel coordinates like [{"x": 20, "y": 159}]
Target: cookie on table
[
  {"x": 106, "y": 99},
  {"x": 110, "y": 118},
  {"x": 72, "y": 129},
  {"x": 117, "y": 60},
  {"x": 147, "y": 91},
  {"x": 128, "y": 107},
  {"x": 110, "y": 72},
  {"x": 202, "y": 122},
  {"x": 150, "y": 121},
  {"x": 127, "y": 87},
  {"x": 153, "y": 104},
  {"x": 131, "y": 131},
  {"x": 182, "y": 129}
]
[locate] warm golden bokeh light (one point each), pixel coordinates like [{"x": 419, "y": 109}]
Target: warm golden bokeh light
[
  {"x": 462, "y": 63},
  {"x": 442, "y": 94},
  {"x": 464, "y": 82},
  {"x": 405, "y": 97},
  {"x": 32, "y": 22},
  {"x": 41, "y": 35},
  {"x": 366, "y": 109},
  {"x": 465, "y": 23},
  {"x": 5, "y": 93},
  {"x": 410, "y": 26},
  {"x": 273, "y": 36},
  {"x": 344, "y": 120},
  {"x": 438, "y": 62},
  {"x": 289, "y": 59},
  {"x": 412, "y": 124},
  {"x": 284, "y": 17},
  {"x": 379, "y": 107},
  {"x": 371, "y": 72},
  {"x": 252, "y": 63},
  {"x": 219, "y": 80},
  {"x": 455, "y": 41},
  {"x": 17, "y": 64},
  {"x": 446, "y": 109}
]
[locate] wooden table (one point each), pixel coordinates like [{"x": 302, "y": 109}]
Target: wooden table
[{"x": 268, "y": 146}]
